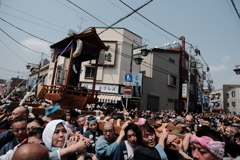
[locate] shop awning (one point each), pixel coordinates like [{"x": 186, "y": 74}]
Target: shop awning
[{"x": 109, "y": 98}]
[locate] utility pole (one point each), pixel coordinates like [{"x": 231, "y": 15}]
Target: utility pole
[
  {"x": 39, "y": 67},
  {"x": 131, "y": 59},
  {"x": 189, "y": 78}
]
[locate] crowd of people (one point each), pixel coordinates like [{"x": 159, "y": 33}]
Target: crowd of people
[{"x": 144, "y": 135}]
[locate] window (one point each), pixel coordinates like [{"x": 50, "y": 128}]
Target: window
[
  {"x": 233, "y": 93},
  {"x": 171, "y": 60},
  {"x": 172, "y": 80},
  {"x": 170, "y": 100},
  {"x": 89, "y": 74},
  {"x": 233, "y": 104}
]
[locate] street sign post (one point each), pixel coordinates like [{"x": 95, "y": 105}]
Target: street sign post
[
  {"x": 128, "y": 77},
  {"x": 127, "y": 90}
]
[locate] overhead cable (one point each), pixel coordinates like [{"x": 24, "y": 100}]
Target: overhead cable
[
  {"x": 26, "y": 31},
  {"x": 22, "y": 44},
  {"x": 13, "y": 52}
]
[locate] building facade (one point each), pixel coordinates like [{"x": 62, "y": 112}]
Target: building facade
[{"x": 233, "y": 101}]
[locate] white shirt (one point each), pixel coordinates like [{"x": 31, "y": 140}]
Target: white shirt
[{"x": 130, "y": 151}]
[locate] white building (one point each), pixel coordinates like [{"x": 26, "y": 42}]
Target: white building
[{"x": 233, "y": 101}]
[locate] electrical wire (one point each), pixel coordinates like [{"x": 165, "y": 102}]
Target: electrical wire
[
  {"x": 25, "y": 31},
  {"x": 137, "y": 43},
  {"x": 121, "y": 19},
  {"x": 234, "y": 6},
  {"x": 13, "y": 52},
  {"x": 233, "y": 13},
  {"x": 22, "y": 44},
  {"x": 38, "y": 24},
  {"x": 34, "y": 16},
  {"x": 23, "y": 73}
]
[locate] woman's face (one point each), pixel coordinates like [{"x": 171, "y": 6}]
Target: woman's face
[
  {"x": 59, "y": 136},
  {"x": 201, "y": 153},
  {"x": 148, "y": 139},
  {"x": 93, "y": 126}
]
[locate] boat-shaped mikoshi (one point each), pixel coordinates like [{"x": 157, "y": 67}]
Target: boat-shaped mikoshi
[{"x": 78, "y": 48}]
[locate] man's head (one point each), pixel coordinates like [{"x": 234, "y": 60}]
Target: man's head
[
  {"x": 108, "y": 132},
  {"x": 206, "y": 122},
  {"x": 35, "y": 136},
  {"x": 34, "y": 123},
  {"x": 147, "y": 136},
  {"x": 189, "y": 120},
  {"x": 81, "y": 120},
  {"x": 131, "y": 134},
  {"x": 237, "y": 138},
  {"x": 230, "y": 131},
  {"x": 31, "y": 152},
  {"x": 19, "y": 128},
  {"x": 202, "y": 145},
  {"x": 19, "y": 112},
  {"x": 92, "y": 123},
  {"x": 8, "y": 111}
]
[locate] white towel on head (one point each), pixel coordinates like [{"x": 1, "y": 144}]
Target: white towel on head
[{"x": 49, "y": 131}]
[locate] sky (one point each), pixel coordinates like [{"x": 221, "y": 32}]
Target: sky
[{"x": 213, "y": 26}]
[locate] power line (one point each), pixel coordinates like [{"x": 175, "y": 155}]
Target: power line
[
  {"x": 235, "y": 8},
  {"x": 233, "y": 13},
  {"x": 150, "y": 20},
  {"x": 33, "y": 22},
  {"x": 22, "y": 44},
  {"x": 34, "y": 17},
  {"x": 25, "y": 31},
  {"x": 121, "y": 19},
  {"x": 12, "y": 71},
  {"x": 102, "y": 22},
  {"x": 13, "y": 52}
]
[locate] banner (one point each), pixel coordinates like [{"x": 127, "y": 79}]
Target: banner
[
  {"x": 137, "y": 84},
  {"x": 31, "y": 83},
  {"x": 184, "y": 90}
]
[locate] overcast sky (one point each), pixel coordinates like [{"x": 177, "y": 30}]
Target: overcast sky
[{"x": 211, "y": 25}]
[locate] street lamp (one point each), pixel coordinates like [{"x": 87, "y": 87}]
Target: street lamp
[
  {"x": 237, "y": 69},
  {"x": 139, "y": 51}
]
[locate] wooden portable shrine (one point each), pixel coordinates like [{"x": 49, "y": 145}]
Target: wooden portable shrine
[{"x": 78, "y": 48}]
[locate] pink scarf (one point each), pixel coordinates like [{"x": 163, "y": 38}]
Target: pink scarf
[{"x": 215, "y": 147}]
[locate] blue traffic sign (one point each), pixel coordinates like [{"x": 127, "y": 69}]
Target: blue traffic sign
[{"x": 128, "y": 77}]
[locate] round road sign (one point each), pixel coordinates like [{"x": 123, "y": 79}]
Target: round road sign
[{"x": 127, "y": 89}]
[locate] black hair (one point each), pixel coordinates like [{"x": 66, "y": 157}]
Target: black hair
[
  {"x": 38, "y": 120},
  {"x": 207, "y": 119},
  {"x": 36, "y": 132},
  {"x": 109, "y": 110},
  {"x": 150, "y": 121},
  {"x": 74, "y": 114},
  {"x": 209, "y": 133},
  {"x": 9, "y": 108},
  {"x": 232, "y": 149},
  {"x": 132, "y": 127},
  {"x": 19, "y": 120},
  {"x": 237, "y": 135},
  {"x": 142, "y": 129},
  {"x": 91, "y": 118}
]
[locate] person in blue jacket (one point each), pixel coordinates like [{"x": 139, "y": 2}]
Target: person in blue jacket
[
  {"x": 107, "y": 143},
  {"x": 125, "y": 149}
]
